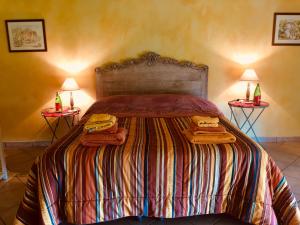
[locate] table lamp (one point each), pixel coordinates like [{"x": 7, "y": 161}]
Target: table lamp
[
  {"x": 249, "y": 75},
  {"x": 70, "y": 85}
]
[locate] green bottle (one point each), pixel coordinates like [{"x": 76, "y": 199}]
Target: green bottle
[
  {"x": 58, "y": 103},
  {"x": 257, "y": 95}
]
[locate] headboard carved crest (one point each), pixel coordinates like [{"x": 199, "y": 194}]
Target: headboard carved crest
[
  {"x": 151, "y": 73},
  {"x": 149, "y": 58}
]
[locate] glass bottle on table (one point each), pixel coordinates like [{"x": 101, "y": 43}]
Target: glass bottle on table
[
  {"x": 58, "y": 103},
  {"x": 257, "y": 95}
]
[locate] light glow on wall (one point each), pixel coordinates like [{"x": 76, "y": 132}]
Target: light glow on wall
[
  {"x": 73, "y": 67},
  {"x": 74, "y": 64},
  {"x": 65, "y": 64},
  {"x": 245, "y": 59}
]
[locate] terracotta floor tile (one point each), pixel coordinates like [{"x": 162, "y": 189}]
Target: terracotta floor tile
[
  {"x": 291, "y": 147},
  {"x": 297, "y": 196},
  {"x": 12, "y": 151},
  {"x": 19, "y": 163},
  {"x": 292, "y": 171},
  {"x": 20, "y": 160},
  {"x": 294, "y": 183},
  {"x": 8, "y": 214},
  {"x": 35, "y": 152},
  {"x": 22, "y": 178},
  {"x": 11, "y": 175},
  {"x": 278, "y": 155},
  {"x": 19, "y": 166},
  {"x": 11, "y": 193},
  {"x": 296, "y": 163},
  {"x": 287, "y": 147},
  {"x": 282, "y": 165},
  {"x": 29, "y": 152},
  {"x": 271, "y": 145},
  {"x": 17, "y": 157},
  {"x": 282, "y": 153}
]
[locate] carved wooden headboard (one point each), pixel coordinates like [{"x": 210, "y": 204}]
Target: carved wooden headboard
[{"x": 151, "y": 73}]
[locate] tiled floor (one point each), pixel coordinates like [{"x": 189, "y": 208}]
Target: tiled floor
[{"x": 286, "y": 155}]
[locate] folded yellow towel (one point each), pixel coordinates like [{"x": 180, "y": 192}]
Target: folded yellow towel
[
  {"x": 100, "y": 122},
  {"x": 206, "y": 130},
  {"x": 208, "y": 125},
  {"x": 216, "y": 138},
  {"x": 100, "y": 117},
  {"x": 200, "y": 120}
]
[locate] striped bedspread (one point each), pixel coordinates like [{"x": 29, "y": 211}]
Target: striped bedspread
[{"x": 156, "y": 173}]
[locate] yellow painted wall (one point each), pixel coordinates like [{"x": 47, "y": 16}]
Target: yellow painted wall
[{"x": 84, "y": 34}]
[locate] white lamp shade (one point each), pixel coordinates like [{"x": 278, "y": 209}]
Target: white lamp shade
[
  {"x": 249, "y": 75},
  {"x": 70, "y": 85}
]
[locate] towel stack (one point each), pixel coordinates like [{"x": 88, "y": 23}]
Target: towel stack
[
  {"x": 207, "y": 130},
  {"x": 103, "y": 129}
]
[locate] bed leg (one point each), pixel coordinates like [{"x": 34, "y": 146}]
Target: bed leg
[{"x": 140, "y": 218}]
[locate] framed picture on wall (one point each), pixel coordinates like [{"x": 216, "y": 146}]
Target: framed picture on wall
[
  {"x": 286, "y": 29},
  {"x": 26, "y": 35}
]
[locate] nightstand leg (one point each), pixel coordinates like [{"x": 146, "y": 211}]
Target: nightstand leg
[
  {"x": 73, "y": 118},
  {"x": 234, "y": 117},
  {"x": 54, "y": 132},
  {"x": 246, "y": 116},
  {"x": 251, "y": 124},
  {"x": 257, "y": 118},
  {"x": 67, "y": 122}
]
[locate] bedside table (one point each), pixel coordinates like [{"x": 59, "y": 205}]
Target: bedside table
[
  {"x": 243, "y": 105},
  {"x": 65, "y": 114}
]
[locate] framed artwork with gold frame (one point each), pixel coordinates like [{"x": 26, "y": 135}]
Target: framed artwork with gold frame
[
  {"x": 26, "y": 35},
  {"x": 286, "y": 29}
]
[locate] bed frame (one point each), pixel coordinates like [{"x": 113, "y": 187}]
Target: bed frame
[{"x": 151, "y": 73}]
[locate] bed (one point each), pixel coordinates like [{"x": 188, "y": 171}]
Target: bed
[{"x": 156, "y": 172}]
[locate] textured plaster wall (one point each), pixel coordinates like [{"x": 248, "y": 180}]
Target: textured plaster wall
[{"x": 227, "y": 35}]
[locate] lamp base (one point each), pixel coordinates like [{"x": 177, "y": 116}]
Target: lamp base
[
  {"x": 248, "y": 92},
  {"x": 71, "y": 101}
]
